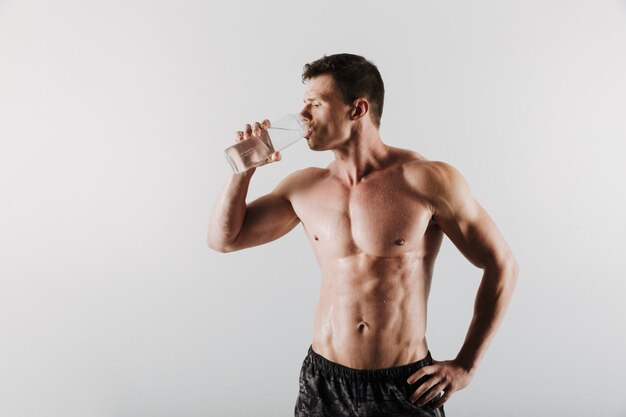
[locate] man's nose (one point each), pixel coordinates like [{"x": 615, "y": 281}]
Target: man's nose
[{"x": 306, "y": 114}]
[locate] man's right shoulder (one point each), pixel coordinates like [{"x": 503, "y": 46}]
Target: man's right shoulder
[{"x": 301, "y": 180}]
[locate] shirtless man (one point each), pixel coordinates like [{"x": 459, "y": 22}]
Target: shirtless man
[{"x": 375, "y": 218}]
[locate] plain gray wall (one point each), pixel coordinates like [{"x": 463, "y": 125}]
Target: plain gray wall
[{"x": 113, "y": 117}]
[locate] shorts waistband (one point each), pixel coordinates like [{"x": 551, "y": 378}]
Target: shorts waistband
[{"x": 395, "y": 372}]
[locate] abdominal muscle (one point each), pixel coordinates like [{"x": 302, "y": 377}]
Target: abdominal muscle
[{"x": 372, "y": 311}]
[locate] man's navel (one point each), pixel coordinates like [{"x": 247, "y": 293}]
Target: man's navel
[{"x": 362, "y": 326}]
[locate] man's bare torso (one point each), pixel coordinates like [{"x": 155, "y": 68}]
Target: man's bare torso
[{"x": 376, "y": 245}]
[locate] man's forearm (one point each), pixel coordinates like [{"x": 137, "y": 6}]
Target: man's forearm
[
  {"x": 229, "y": 211},
  {"x": 492, "y": 300}
]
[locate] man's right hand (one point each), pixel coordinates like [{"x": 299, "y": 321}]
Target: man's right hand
[{"x": 259, "y": 131}]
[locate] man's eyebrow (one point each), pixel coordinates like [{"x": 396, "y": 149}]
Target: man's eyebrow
[{"x": 310, "y": 99}]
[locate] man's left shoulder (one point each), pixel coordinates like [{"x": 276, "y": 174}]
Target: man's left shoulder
[
  {"x": 413, "y": 161},
  {"x": 428, "y": 174}
]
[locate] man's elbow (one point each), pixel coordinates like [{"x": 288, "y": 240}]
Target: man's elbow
[
  {"x": 510, "y": 267},
  {"x": 219, "y": 246},
  {"x": 504, "y": 268}
]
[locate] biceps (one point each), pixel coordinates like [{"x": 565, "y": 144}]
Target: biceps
[
  {"x": 476, "y": 235},
  {"x": 267, "y": 219}
]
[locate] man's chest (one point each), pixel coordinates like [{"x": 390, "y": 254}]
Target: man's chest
[{"x": 379, "y": 217}]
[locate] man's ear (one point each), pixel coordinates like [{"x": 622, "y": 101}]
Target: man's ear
[{"x": 360, "y": 107}]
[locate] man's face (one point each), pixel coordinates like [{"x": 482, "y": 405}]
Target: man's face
[{"x": 328, "y": 116}]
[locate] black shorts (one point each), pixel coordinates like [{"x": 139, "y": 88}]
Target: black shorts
[{"x": 328, "y": 389}]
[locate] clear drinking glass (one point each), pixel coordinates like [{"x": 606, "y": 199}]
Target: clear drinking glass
[{"x": 250, "y": 153}]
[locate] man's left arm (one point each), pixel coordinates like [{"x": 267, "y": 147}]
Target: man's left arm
[{"x": 475, "y": 234}]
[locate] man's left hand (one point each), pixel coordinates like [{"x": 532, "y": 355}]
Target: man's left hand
[{"x": 446, "y": 376}]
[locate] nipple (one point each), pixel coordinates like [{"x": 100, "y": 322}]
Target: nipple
[{"x": 400, "y": 242}]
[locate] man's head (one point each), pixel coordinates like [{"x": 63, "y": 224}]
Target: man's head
[{"x": 354, "y": 77}]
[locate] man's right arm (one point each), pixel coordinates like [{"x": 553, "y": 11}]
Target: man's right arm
[{"x": 235, "y": 225}]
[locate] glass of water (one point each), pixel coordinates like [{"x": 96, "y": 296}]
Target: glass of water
[{"x": 250, "y": 153}]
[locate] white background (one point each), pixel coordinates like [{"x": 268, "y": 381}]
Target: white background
[{"x": 113, "y": 117}]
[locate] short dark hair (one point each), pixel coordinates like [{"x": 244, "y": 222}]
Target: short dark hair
[{"x": 354, "y": 76}]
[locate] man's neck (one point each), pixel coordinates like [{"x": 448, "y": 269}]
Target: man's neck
[{"x": 363, "y": 154}]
